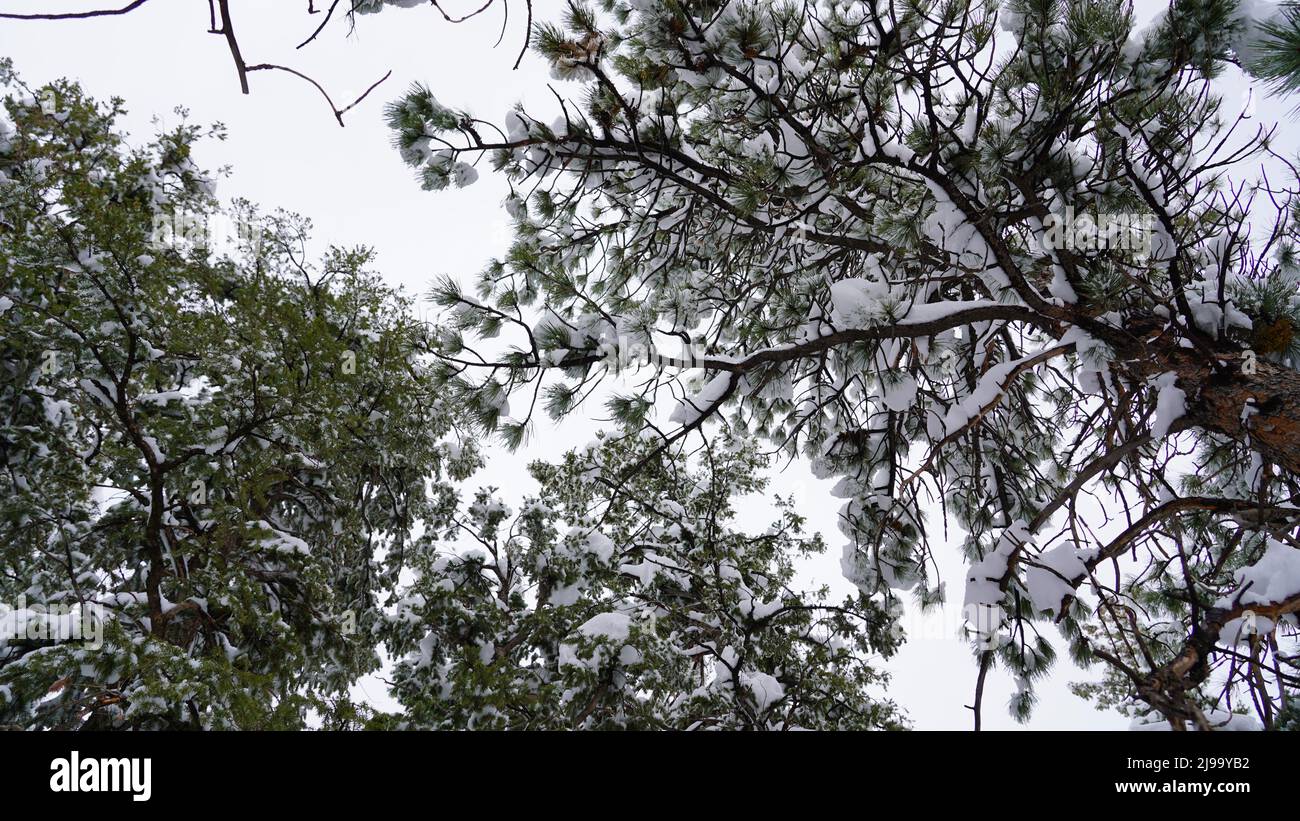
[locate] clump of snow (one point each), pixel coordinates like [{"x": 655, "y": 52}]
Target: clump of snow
[
  {"x": 604, "y": 629},
  {"x": 900, "y": 394},
  {"x": 280, "y": 541},
  {"x": 600, "y": 544},
  {"x": 1218, "y": 719},
  {"x": 1171, "y": 404},
  {"x": 7, "y": 130},
  {"x": 983, "y": 582},
  {"x": 689, "y": 411},
  {"x": 858, "y": 302},
  {"x": 612, "y": 626},
  {"x": 758, "y": 610},
  {"x": 154, "y": 451},
  {"x": 765, "y": 688},
  {"x": 1274, "y": 578},
  {"x": 644, "y": 572},
  {"x": 1048, "y": 579},
  {"x": 989, "y": 388}
]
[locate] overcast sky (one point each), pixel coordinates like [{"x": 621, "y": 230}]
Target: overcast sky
[{"x": 287, "y": 151}]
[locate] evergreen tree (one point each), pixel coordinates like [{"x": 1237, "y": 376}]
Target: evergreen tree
[{"x": 994, "y": 262}]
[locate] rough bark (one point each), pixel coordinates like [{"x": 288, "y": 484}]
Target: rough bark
[{"x": 1218, "y": 400}]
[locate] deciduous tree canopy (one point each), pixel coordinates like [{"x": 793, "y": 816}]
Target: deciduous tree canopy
[{"x": 219, "y": 454}]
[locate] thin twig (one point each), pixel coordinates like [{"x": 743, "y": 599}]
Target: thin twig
[{"x": 76, "y": 15}]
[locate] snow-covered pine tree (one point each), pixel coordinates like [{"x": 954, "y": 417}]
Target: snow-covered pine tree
[
  {"x": 1008, "y": 269},
  {"x": 216, "y": 453},
  {"x": 636, "y": 603}
]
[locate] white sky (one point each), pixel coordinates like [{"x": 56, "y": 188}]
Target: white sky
[{"x": 287, "y": 151}]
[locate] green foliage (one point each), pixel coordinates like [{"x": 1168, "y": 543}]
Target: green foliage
[
  {"x": 222, "y": 452},
  {"x": 818, "y": 206},
  {"x": 623, "y": 595},
  {"x": 1278, "y": 60}
]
